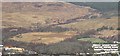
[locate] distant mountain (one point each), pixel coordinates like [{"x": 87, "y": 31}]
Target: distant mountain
[
  {"x": 108, "y": 9},
  {"x": 101, "y": 6}
]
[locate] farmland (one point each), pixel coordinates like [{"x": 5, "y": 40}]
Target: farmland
[{"x": 44, "y": 37}]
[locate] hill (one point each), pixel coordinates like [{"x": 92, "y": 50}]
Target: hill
[
  {"x": 90, "y": 24},
  {"x": 25, "y": 14},
  {"x": 47, "y": 27},
  {"x": 101, "y": 6},
  {"x": 108, "y": 9}
]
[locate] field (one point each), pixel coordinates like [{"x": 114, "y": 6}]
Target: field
[
  {"x": 44, "y": 37},
  {"x": 93, "y": 40}
]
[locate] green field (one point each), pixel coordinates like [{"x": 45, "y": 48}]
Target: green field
[{"x": 93, "y": 40}]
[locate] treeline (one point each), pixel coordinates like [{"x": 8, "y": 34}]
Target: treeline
[
  {"x": 9, "y": 32},
  {"x": 65, "y": 47}
]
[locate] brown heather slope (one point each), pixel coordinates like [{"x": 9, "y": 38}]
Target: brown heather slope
[
  {"x": 17, "y": 14},
  {"x": 89, "y": 24},
  {"x": 94, "y": 24}
]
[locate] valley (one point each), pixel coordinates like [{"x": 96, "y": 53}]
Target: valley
[{"x": 58, "y": 27}]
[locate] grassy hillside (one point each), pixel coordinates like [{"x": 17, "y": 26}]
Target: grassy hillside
[
  {"x": 89, "y": 24},
  {"x": 58, "y": 27},
  {"x": 25, "y": 14},
  {"x": 43, "y": 37}
]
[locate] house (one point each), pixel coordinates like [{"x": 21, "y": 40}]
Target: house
[
  {"x": 1, "y": 50},
  {"x": 15, "y": 51},
  {"x": 106, "y": 48},
  {"x": 20, "y": 50}
]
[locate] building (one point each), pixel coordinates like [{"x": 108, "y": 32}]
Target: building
[
  {"x": 17, "y": 51},
  {"x": 1, "y": 50},
  {"x": 106, "y": 48}
]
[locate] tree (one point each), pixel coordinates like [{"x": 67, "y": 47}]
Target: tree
[
  {"x": 69, "y": 48},
  {"x": 35, "y": 26}
]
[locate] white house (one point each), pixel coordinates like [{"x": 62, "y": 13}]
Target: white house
[
  {"x": 107, "y": 48},
  {"x": 1, "y": 50}
]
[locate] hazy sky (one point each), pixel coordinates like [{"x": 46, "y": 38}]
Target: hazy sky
[
  {"x": 59, "y": 0},
  {"x": 91, "y": 0}
]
